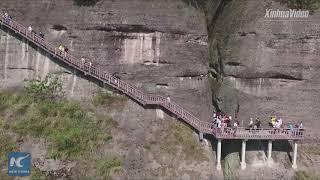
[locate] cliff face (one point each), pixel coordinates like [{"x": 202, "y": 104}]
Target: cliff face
[
  {"x": 268, "y": 67},
  {"x": 159, "y": 47}
]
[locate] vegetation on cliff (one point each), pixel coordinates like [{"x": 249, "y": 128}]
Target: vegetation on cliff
[
  {"x": 304, "y": 175},
  {"x": 72, "y": 130},
  {"x": 302, "y": 4}
]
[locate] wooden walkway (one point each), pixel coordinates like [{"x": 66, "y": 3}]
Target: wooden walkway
[{"x": 149, "y": 99}]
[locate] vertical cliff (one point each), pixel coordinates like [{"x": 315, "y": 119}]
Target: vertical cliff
[
  {"x": 159, "y": 47},
  {"x": 266, "y": 67}
]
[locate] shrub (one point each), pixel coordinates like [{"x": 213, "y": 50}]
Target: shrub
[
  {"x": 86, "y": 2},
  {"x": 105, "y": 166},
  {"x": 36, "y": 174},
  {"x": 303, "y": 4},
  {"x": 6, "y": 145},
  {"x": 108, "y": 99},
  {"x": 48, "y": 88},
  {"x": 178, "y": 136},
  {"x": 303, "y": 175},
  {"x": 72, "y": 131}
]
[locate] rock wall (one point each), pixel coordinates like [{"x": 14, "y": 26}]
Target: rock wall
[
  {"x": 268, "y": 67},
  {"x": 160, "y": 47}
]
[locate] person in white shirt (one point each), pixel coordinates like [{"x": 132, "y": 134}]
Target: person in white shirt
[
  {"x": 30, "y": 28},
  {"x": 235, "y": 124},
  {"x": 251, "y": 123},
  {"x": 218, "y": 123},
  {"x": 300, "y": 125}
]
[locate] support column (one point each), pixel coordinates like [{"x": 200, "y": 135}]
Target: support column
[
  {"x": 269, "y": 160},
  {"x": 295, "y": 150},
  {"x": 219, "y": 155},
  {"x": 243, "y": 155},
  {"x": 201, "y": 136}
]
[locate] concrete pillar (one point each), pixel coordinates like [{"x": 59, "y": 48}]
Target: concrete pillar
[
  {"x": 219, "y": 155},
  {"x": 295, "y": 151},
  {"x": 243, "y": 155},
  {"x": 201, "y": 136},
  {"x": 269, "y": 160}
]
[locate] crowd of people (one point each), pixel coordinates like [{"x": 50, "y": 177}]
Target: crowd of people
[
  {"x": 224, "y": 123},
  {"x": 7, "y": 17},
  {"x": 222, "y": 120},
  {"x": 277, "y": 123}
]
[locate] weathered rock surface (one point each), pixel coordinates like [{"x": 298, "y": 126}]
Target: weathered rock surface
[
  {"x": 269, "y": 67},
  {"x": 159, "y": 47},
  {"x": 156, "y": 46}
]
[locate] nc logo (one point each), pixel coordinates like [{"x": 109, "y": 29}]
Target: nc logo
[{"x": 19, "y": 164}]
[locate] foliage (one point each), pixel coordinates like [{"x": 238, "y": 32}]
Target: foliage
[
  {"x": 73, "y": 131},
  {"x": 303, "y": 4},
  {"x": 105, "y": 166},
  {"x": 231, "y": 166},
  {"x": 86, "y": 2},
  {"x": 199, "y": 4},
  {"x": 108, "y": 99},
  {"x": 176, "y": 137},
  {"x": 36, "y": 174},
  {"x": 6, "y": 145},
  {"x": 147, "y": 146},
  {"x": 49, "y": 87},
  {"x": 303, "y": 175}
]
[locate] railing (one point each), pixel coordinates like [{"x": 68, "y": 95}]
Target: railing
[
  {"x": 143, "y": 98},
  {"x": 260, "y": 133}
]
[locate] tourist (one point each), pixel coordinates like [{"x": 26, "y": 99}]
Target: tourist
[
  {"x": 235, "y": 124},
  {"x": 258, "y": 123},
  {"x": 83, "y": 60},
  {"x": 9, "y": 18},
  {"x": 66, "y": 49},
  {"x": 273, "y": 121},
  {"x": 61, "y": 48},
  {"x": 251, "y": 123},
  {"x": 218, "y": 123},
  {"x": 5, "y": 15},
  {"x": 223, "y": 125},
  {"x": 168, "y": 99},
  {"x": 228, "y": 120},
  {"x": 278, "y": 123},
  {"x": 300, "y": 129},
  {"x": 90, "y": 64},
  {"x": 214, "y": 120},
  {"x": 300, "y": 125},
  {"x": 30, "y": 29},
  {"x": 290, "y": 127},
  {"x": 41, "y": 35}
]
